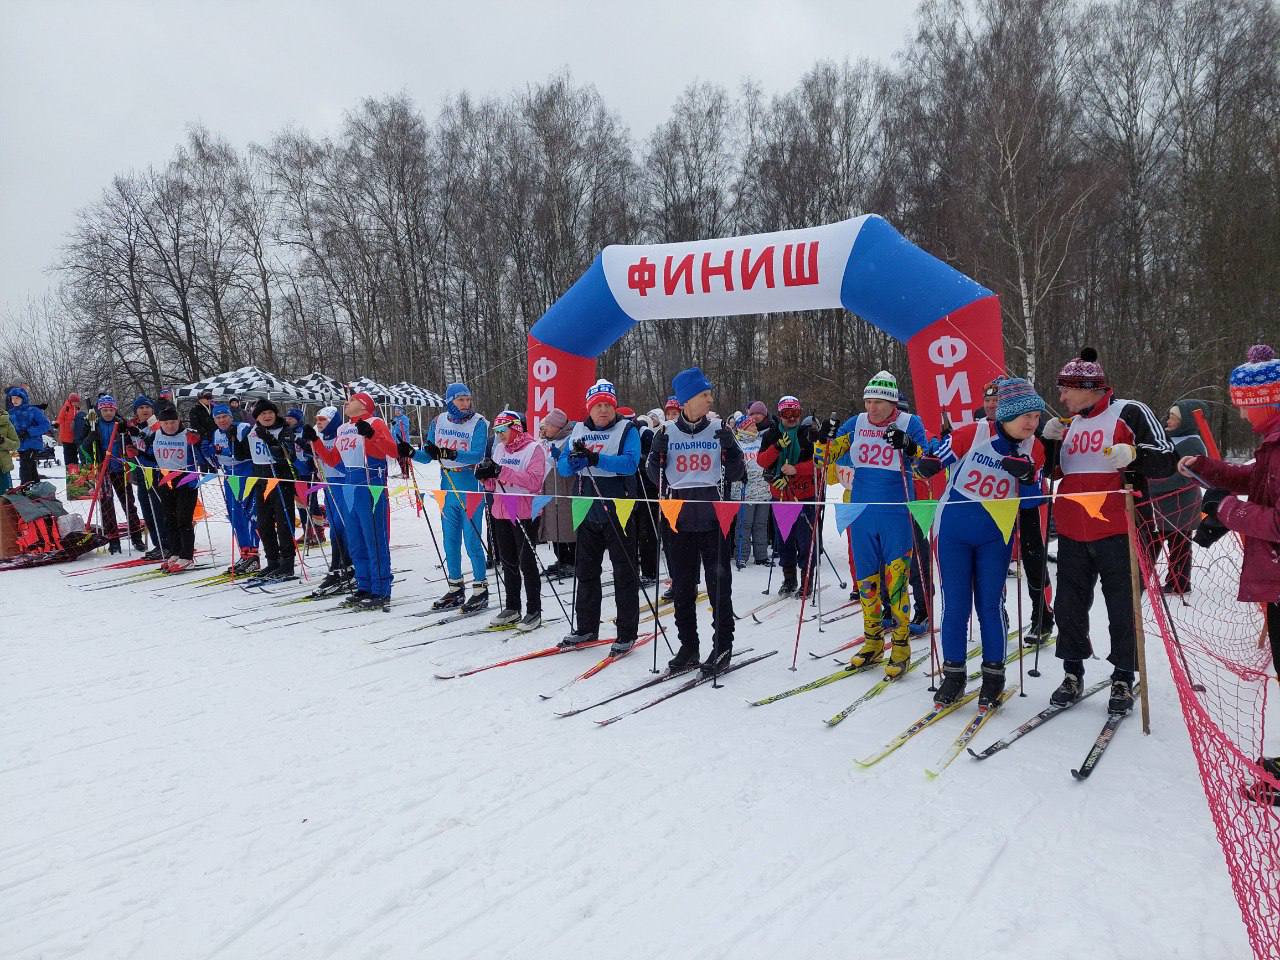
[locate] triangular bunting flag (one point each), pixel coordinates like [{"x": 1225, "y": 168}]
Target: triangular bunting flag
[
  {"x": 923, "y": 511},
  {"x": 671, "y": 510},
  {"x": 580, "y": 507},
  {"x": 198, "y": 514},
  {"x": 1004, "y": 513},
  {"x": 504, "y": 506},
  {"x": 248, "y": 486},
  {"x": 540, "y": 502},
  {"x": 398, "y": 490},
  {"x": 375, "y": 493},
  {"x": 348, "y": 495},
  {"x": 438, "y": 496},
  {"x": 1092, "y": 503},
  {"x": 149, "y": 476},
  {"x": 784, "y": 514},
  {"x": 846, "y": 513},
  {"x": 271, "y": 485},
  {"x": 300, "y": 489},
  {"x": 207, "y": 478},
  {"x": 624, "y": 508},
  {"x": 189, "y": 478},
  {"x": 726, "y": 510},
  {"x": 235, "y": 483},
  {"x": 166, "y": 476},
  {"x": 474, "y": 500}
]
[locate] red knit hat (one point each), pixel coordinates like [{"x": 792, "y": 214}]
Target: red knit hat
[{"x": 367, "y": 400}]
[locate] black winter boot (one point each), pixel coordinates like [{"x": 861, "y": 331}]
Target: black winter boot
[
  {"x": 992, "y": 685},
  {"x": 789, "y": 584},
  {"x": 951, "y": 688},
  {"x": 686, "y": 657}
]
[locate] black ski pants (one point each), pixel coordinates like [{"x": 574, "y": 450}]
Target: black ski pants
[
  {"x": 178, "y": 505},
  {"x": 275, "y": 524},
  {"x": 689, "y": 552},
  {"x": 517, "y": 559},
  {"x": 1081, "y": 564},
  {"x": 594, "y": 540}
]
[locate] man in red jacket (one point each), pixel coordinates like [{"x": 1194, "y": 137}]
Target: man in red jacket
[
  {"x": 66, "y": 422},
  {"x": 1106, "y": 443}
]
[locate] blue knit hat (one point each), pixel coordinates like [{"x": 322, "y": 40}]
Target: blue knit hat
[
  {"x": 106, "y": 402},
  {"x": 142, "y": 400},
  {"x": 687, "y": 384},
  {"x": 1016, "y": 397},
  {"x": 456, "y": 390},
  {"x": 296, "y": 414},
  {"x": 218, "y": 409}
]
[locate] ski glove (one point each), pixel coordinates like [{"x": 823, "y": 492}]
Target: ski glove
[
  {"x": 1021, "y": 468},
  {"x": 1055, "y": 427},
  {"x": 779, "y": 484},
  {"x": 726, "y": 437},
  {"x": 364, "y": 429},
  {"x": 580, "y": 451},
  {"x": 898, "y": 439},
  {"x": 309, "y": 434},
  {"x": 403, "y": 450},
  {"x": 927, "y": 467},
  {"x": 1121, "y": 455},
  {"x": 431, "y": 450},
  {"x": 487, "y": 469},
  {"x": 827, "y": 432},
  {"x": 576, "y": 463},
  {"x": 265, "y": 436}
]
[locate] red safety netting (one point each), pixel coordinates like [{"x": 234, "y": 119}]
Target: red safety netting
[{"x": 1222, "y": 668}]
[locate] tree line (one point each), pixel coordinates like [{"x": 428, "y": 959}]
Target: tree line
[{"x": 1111, "y": 170}]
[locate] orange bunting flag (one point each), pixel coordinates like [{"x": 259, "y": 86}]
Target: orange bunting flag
[
  {"x": 671, "y": 510},
  {"x": 198, "y": 514},
  {"x": 438, "y": 496},
  {"x": 1092, "y": 503},
  {"x": 271, "y": 485}
]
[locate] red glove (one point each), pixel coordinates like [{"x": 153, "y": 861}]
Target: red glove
[{"x": 193, "y": 437}]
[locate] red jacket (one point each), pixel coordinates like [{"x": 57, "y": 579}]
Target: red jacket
[
  {"x": 800, "y": 485},
  {"x": 380, "y": 446},
  {"x": 1258, "y": 520},
  {"x": 66, "y": 419}
]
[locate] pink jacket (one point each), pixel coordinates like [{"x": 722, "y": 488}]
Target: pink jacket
[
  {"x": 1258, "y": 520},
  {"x": 526, "y": 482}
]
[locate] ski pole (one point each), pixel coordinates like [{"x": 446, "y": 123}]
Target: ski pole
[
  {"x": 1017, "y": 546},
  {"x": 425, "y": 516}
]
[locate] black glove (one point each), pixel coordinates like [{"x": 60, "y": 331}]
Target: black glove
[
  {"x": 1022, "y": 468},
  {"x": 487, "y": 469},
  {"x": 403, "y": 450},
  {"x": 659, "y": 449},
  {"x": 580, "y": 449},
  {"x": 1210, "y": 529},
  {"x": 263, "y": 434},
  {"x": 431, "y": 450},
  {"x": 927, "y": 467},
  {"x": 899, "y": 440},
  {"x": 444, "y": 453},
  {"x": 364, "y": 429},
  {"x": 827, "y": 430},
  {"x": 725, "y": 436},
  {"x": 309, "y": 434}
]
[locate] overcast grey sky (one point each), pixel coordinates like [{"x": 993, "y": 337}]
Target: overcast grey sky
[{"x": 95, "y": 87}]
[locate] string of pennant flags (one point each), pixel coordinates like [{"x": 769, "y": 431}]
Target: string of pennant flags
[{"x": 785, "y": 513}]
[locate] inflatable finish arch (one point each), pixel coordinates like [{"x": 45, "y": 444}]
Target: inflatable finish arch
[{"x": 950, "y": 324}]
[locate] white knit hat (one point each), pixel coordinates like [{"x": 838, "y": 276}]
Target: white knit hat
[{"x": 883, "y": 386}]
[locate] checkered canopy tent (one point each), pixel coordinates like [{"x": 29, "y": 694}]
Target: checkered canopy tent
[
  {"x": 416, "y": 396},
  {"x": 244, "y": 382},
  {"x": 381, "y": 395},
  {"x": 319, "y": 388}
]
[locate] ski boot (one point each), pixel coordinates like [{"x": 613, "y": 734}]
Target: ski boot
[
  {"x": 154, "y": 554},
  {"x": 279, "y": 575},
  {"x": 178, "y": 564},
  {"x": 716, "y": 661},
  {"x": 686, "y": 657},
  {"x": 1070, "y": 689},
  {"x": 248, "y": 563},
  {"x": 899, "y": 659},
  {"x": 788, "y": 582},
  {"x": 506, "y": 618},
  {"x": 992, "y": 685},
  {"x": 330, "y": 585},
  {"x": 872, "y": 650},
  {"x": 530, "y": 621},
  {"x": 139, "y": 544},
  {"x": 919, "y": 625},
  {"x": 354, "y": 601},
  {"x": 478, "y": 600},
  {"x": 372, "y": 603},
  {"x": 1263, "y": 790},
  {"x": 951, "y": 688},
  {"x": 620, "y": 646},
  {"x": 577, "y": 639},
  {"x": 113, "y": 547},
  {"x": 167, "y": 563},
  {"x": 1121, "y": 692},
  {"x": 455, "y": 597}
]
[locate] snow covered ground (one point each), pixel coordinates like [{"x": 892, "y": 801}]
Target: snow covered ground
[{"x": 174, "y": 787}]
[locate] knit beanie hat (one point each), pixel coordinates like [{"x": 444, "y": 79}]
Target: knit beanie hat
[
  {"x": 106, "y": 402},
  {"x": 296, "y": 413},
  {"x": 1017, "y": 396},
  {"x": 757, "y": 406},
  {"x": 142, "y": 400},
  {"x": 1084, "y": 372},
  {"x": 789, "y": 403},
  {"x": 687, "y": 384},
  {"x": 262, "y": 406},
  {"x": 1256, "y": 382},
  {"x": 883, "y": 386},
  {"x": 326, "y": 413},
  {"x": 166, "y": 411},
  {"x": 671, "y": 404},
  {"x": 556, "y": 419},
  {"x": 602, "y": 391},
  {"x": 456, "y": 390},
  {"x": 218, "y": 409}
]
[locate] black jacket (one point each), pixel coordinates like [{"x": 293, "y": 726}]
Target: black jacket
[{"x": 696, "y": 517}]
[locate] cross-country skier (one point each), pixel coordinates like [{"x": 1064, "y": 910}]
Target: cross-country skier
[
  {"x": 229, "y": 447},
  {"x": 1255, "y": 391},
  {"x": 341, "y": 573},
  {"x": 754, "y": 516},
  {"x": 698, "y": 459},
  {"x": 881, "y": 442},
  {"x": 518, "y": 465},
  {"x": 603, "y": 453},
  {"x": 1105, "y": 443},
  {"x": 400, "y": 434},
  {"x": 1173, "y": 512},
  {"x": 107, "y": 447},
  {"x": 138, "y": 427},
  {"x": 458, "y": 438},
  {"x": 555, "y": 523},
  {"x": 993, "y": 459},
  {"x": 786, "y": 457},
  {"x": 362, "y": 446},
  {"x": 176, "y": 449},
  {"x": 271, "y": 450}
]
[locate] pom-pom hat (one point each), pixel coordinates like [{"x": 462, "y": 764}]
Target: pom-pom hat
[
  {"x": 1083, "y": 372},
  {"x": 1256, "y": 382}
]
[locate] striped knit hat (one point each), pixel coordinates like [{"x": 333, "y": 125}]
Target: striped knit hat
[
  {"x": 1084, "y": 372},
  {"x": 1016, "y": 397},
  {"x": 602, "y": 391},
  {"x": 1256, "y": 382},
  {"x": 883, "y": 386},
  {"x": 106, "y": 402}
]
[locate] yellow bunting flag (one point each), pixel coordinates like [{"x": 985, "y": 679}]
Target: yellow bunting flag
[
  {"x": 624, "y": 508},
  {"x": 1092, "y": 503},
  {"x": 671, "y": 510},
  {"x": 1004, "y": 513},
  {"x": 248, "y": 486},
  {"x": 149, "y": 476}
]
